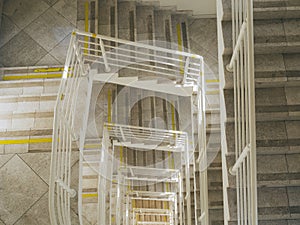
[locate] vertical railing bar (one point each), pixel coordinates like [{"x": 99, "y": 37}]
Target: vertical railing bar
[{"x": 252, "y": 119}]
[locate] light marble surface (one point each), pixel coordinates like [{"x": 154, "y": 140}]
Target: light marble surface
[
  {"x": 48, "y": 32},
  {"x": 59, "y": 52},
  {"x": 67, "y": 8},
  {"x": 5, "y": 158},
  {"x": 47, "y": 60},
  {"x": 23, "y": 12},
  {"x": 21, "y": 50},
  {"x": 20, "y": 189},
  {"x": 8, "y": 30},
  {"x": 39, "y": 163}
]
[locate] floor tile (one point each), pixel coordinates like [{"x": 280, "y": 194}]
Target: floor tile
[
  {"x": 23, "y": 12},
  {"x": 20, "y": 188},
  {"x": 59, "y": 52},
  {"x": 39, "y": 214},
  {"x": 4, "y": 159},
  {"x": 39, "y": 162},
  {"x": 68, "y": 9},
  {"x": 8, "y": 30},
  {"x": 21, "y": 50},
  {"x": 50, "y": 2},
  {"x": 47, "y": 60},
  {"x": 49, "y": 29}
]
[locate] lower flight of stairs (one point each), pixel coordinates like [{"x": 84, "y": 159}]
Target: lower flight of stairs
[
  {"x": 277, "y": 69},
  {"x": 27, "y": 102}
]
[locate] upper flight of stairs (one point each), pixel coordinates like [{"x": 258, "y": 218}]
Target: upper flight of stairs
[{"x": 277, "y": 69}]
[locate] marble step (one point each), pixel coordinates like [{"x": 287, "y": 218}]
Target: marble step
[
  {"x": 272, "y": 70},
  {"x": 276, "y": 203},
  {"x": 273, "y": 137},
  {"x": 29, "y": 87},
  {"x": 276, "y": 9},
  {"x": 27, "y": 103},
  {"x": 31, "y": 72},
  {"x": 272, "y": 104},
  {"x": 282, "y": 36},
  {"x": 279, "y": 170},
  {"x": 25, "y": 140}
]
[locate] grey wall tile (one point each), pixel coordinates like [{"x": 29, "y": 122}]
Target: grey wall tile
[
  {"x": 49, "y": 29},
  {"x": 23, "y": 12},
  {"x": 21, "y": 50},
  {"x": 20, "y": 188}
]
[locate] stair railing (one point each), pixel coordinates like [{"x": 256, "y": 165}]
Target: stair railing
[
  {"x": 86, "y": 50},
  {"x": 64, "y": 136},
  {"x": 242, "y": 66}
]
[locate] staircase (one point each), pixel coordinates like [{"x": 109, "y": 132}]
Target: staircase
[
  {"x": 276, "y": 37},
  {"x": 163, "y": 187},
  {"x": 27, "y": 97}
]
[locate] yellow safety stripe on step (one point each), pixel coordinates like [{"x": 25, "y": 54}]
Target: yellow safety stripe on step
[
  {"x": 179, "y": 41},
  {"x": 86, "y": 25},
  {"x": 109, "y": 106},
  {"x": 213, "y": 81},
  {"x": 89, "y": 195},
  {"x": 31, "y": 76},
  {"x": 25, "y": 141},
  {"x": 53, "y": 69},
  {"x": 133, "y": 203},
  {"x": 113, "y": 219},
  {"x": 213, "y": 92}
]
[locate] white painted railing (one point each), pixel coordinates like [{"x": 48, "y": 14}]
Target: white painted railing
[
  {"x": 87, "y": 50},
  {"x": 64, "y": 136},
  {"x": 242, "y": 66}
]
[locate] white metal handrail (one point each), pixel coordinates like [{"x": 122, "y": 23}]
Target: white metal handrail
[
  {"x": 60, "y": 191},
  {"x": 128, "y": 133},
  {"x": 110, "y": 54},
  {"x": 242, "y": 66},
  {"x": 115, "y": 54}
]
